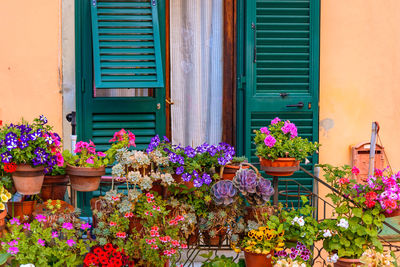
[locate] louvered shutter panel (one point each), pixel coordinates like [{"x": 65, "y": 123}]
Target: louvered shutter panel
[
  {"x": 283, "y": 46},
  {"x": 126, "y": 44}
]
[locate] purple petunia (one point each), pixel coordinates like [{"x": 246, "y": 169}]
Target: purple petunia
[
  {"x": 6, "y": 157},
  {"x": 198, "y": 182},
  {"x": 190, "y": 152},
  {"x": 206, "y": 178},
  {"x": 212, "y": 150},
  {"x": 186, "y": 177},
  {"x": 43, "y": 119},
  {"x": 222, "y": 161},
  {"x": 179, "y": 170}
]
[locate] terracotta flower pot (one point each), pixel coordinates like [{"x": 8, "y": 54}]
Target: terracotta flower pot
[
  {"x": 230, "y": 171},
  {"x": 342, "y": 262},
  {"x": 28, "y": 180},
  {"x": 178, "y": 179},
  {"x": 19, "y": 209},
  {"x": 257, "y": 260},
  {"x": 193, "y": 239},
  {"x": 54, "y": 187},
  {"x": 217, "y": 240},
  {"x": 393, "y": 214},
  {"x": 280, "y": 166},
  {"x": 85, "y": 179},
  {"x": 3, "y": 215},
  {"x": 66, "y": 212}
]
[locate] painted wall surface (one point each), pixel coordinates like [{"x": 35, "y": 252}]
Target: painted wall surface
[
  {"x": 30, "y": 60},
  {"x": 359, "y": 76}
]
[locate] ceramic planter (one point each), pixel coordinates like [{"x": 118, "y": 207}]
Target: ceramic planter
[
  {"x": 28, "y": 180},
  {"x": 85, "y": 179},
  {"x": 257, "y": 260},
  {"x": 280, "y": 166},
  {"x": 229, "y": 171},
  {"x": 21, "y": 209},
  {"x": 54, "y": 187},
  {"x": 342, "y": 262}
]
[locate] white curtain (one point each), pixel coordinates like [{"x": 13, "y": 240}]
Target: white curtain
[{"x": 196, "y": 30}]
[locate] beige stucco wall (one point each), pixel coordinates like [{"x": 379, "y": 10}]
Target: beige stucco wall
[
  {"x": 30, "y": 60},
  {"x": 359, "y": 76}
]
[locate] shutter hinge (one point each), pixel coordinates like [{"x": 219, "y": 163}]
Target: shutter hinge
[
  {"x": 153, "y": 2},
  {"x": 94, "y": 2}
]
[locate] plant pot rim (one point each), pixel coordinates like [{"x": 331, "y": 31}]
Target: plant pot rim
[
  {"x": 26, "y": 165},
  {"x": 279, "y": 159},
  {"x": 86, "y": 168},
  {"x": 348, "y": 260},
  {"x": 55, "y": 176}
]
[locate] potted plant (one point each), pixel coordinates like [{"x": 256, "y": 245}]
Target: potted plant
[
  {"x": 229, "y": 170},
  {"x": 280, "y": 149},
  {"x": 86, "y": 167},
  {"x": 27, "y": 151},
  {"x": 5, "y": 196},
  {"x": 55, "y": 184},
  {"x": 354, "y": 226},
  {"x": 57, "y": 211},
  {"x": 107, "y": 255},
  {"x": 44, "y": 246}
]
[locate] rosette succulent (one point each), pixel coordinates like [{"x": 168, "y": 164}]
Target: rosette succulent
[
  {"x": 255, "y": 189},
  {"x": 223, "y": 192}
]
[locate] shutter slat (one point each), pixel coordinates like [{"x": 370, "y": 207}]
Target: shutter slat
[{"x": 126, "y": 45}]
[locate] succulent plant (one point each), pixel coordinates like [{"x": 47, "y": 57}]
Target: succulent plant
[
  {"x": 265, "y": 189},
  {"x": 223, "y": 192},
  {"x": 246, "y": 181}
]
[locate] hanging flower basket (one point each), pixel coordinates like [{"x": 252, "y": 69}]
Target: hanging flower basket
[
  {"x": 85, "y": 179},
  {"x": 28, "y": 180},
  {"x": 279, "y": 166}
]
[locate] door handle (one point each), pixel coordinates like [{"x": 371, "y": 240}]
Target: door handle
[{"x": 298, "y": 105}]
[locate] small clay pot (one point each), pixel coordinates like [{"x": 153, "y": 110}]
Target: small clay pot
[
  {"x": 257, "y": 260},
  {"x": 54, "y": 187},
  {"x": 280, "y": 166},
  {"x": 217, "y": 240},
  {"x": 135, "y": 224},
  {"x": 230, "y": 171},
  {"x": 193, "y": 238},
  {"x": 21, "y": 209},
  {"x": 3, "y": 215},
  {"x": 342, "y": 262},
  {"x": 85, "y": 179},
  {"x": 28, "y": 180}
]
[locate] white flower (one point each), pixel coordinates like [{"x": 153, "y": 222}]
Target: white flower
[
  {"x": 301, "y": 221},
  {"x": 333, "y": 258},
  {"x": 295, "y": 220},
  {"x": 27, "y": 265},
  {"x": 343, "y": 223},
  {"x": 327, "y": 233}
]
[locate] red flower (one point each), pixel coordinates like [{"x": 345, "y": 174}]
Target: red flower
[
  {"x": 344, "y": 181},
  {"x": 116, "y": 262},
  {"x": 117, "y": 255},
  {"x": 103, "y": 260},
  {"x": 370, "y": 204},
  {"x": 10, "y": 167},
  {"x": 90, "y": 260},
  {"x": 371, "y": 196},
  {"x": 1, "y": 122},
  {"x": 108, "y": 247},
  {"x": 98, "y": 251},
  {"x": 355, "y": 170}
]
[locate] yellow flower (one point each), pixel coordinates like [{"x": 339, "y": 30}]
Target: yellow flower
[
  {"x": 278, "y": 249},
  {"x": 2, "y": 207},
  {"x": 257, "y": 251},
  {"x": 280, "y": 244},
  {"x": 3, "y": 198},
  {"x": 265, "y": 251},
  {"x": 8, "y": 195}
]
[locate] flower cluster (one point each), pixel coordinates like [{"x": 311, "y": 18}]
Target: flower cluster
[
  {"x": 4, "y": 197},
  {"x": 264, "y": 240},
  {"x": 33, "y": 144},
  {"x": 289, "y": 263},
  {"x": 193, "y": 163},
  {"x": 280, "y": 139},
  {"x": 300, "y": 251},
  {"x": 123, "y": 136},
  {"x": 107, "y": 255},
  {"x": 374, "y": 259},
  {"x": 86, "y": 156}
]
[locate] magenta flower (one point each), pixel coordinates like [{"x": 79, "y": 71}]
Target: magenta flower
[
  {"x": 13, "y": 243},
  {"x": 15, "y": 221},
  {"x": 269, "y": 141},
  {"x": 68, "y": 226},
  {"x": 27, "y": 226},
  {"x": 101, "y": 154},
  {"x": 13, "y": 250},
  {"x": 264, "y": 130},
  {"x": 41, "y": 218},
  {"x": 355, "y": 170},
  {"x": 289, "y": 127},
  {"x": 85, "y": 226},
  {"x": 41, "y": 242},
  {"x": 71, "y": 242},
  {"x": 275, "y": 121},
  {"x": 54, "y": 234},
  {"x": 90, "y": 160}
]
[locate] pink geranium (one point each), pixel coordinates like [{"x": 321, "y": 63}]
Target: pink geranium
[
  {"x": 269, "y": 141},
  {"x": 118, "y": 136}
]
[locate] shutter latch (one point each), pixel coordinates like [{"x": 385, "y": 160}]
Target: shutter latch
[
  {"x": 153, "y": 2},
  {"x": 94, "y": 2}
]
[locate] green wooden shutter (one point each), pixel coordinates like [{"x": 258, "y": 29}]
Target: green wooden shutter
[{"x": 126, "y": 44}]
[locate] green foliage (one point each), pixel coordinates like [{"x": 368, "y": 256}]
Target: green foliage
[
  {"x": 286, "y": 145},
  {"x": 218, "y": 261},
  {"x": 56, "y": 251},
  {"x": 355, "y": 227},
  {"x": 82, "y": 159}
]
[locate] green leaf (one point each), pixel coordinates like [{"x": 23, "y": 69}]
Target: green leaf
[
  {"x": 367, "y": 218},
  {"x": 4, "y": 257},
  {"x": 357, "y": 212}
]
